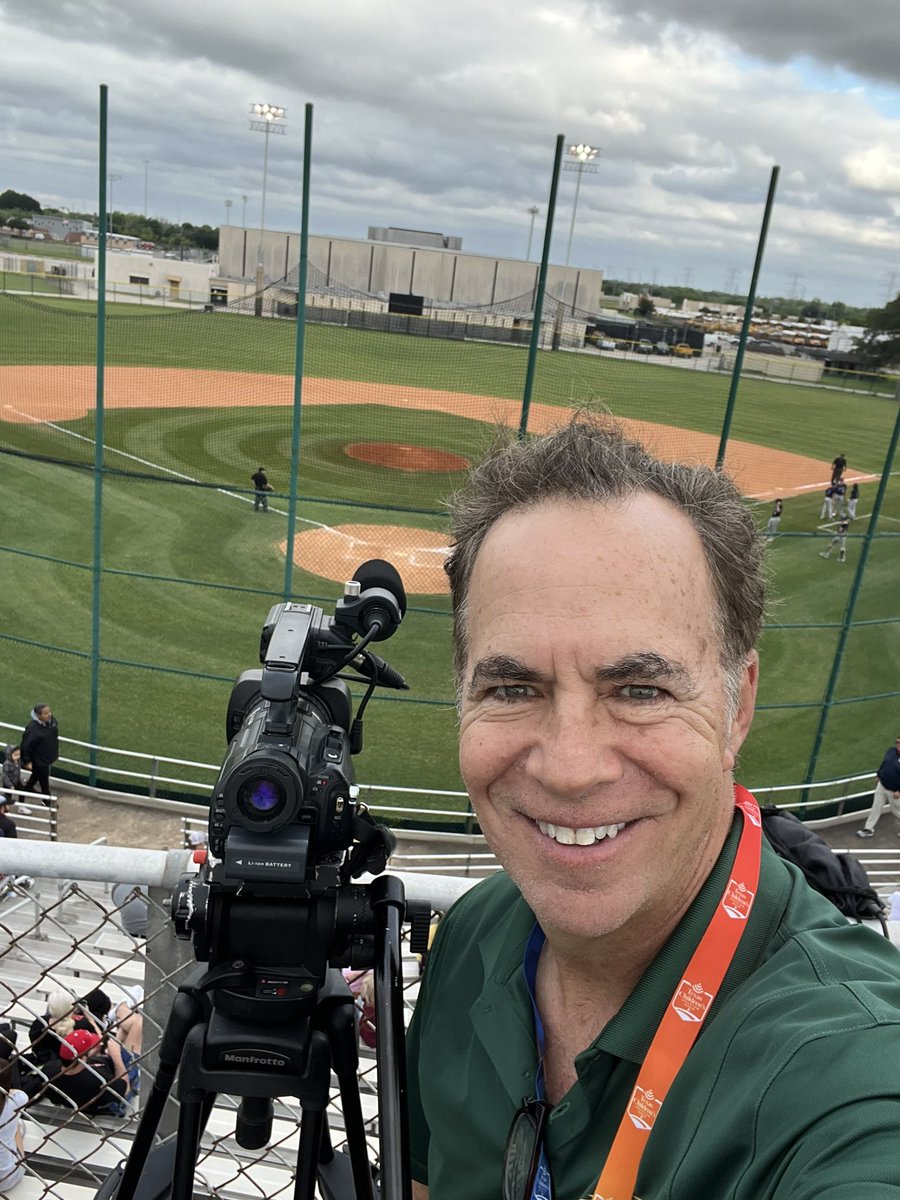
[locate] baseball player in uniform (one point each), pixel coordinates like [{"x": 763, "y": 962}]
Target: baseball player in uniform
[
  {"x": 774, "y": 520},
  {"x": 840, "y": 541},
  {"x": 827, "y": 504}
]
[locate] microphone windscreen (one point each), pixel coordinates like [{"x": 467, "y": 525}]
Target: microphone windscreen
[{"x": 380, "y": 574}]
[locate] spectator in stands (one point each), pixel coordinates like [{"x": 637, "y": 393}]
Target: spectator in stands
[
  {"x": 63, "y": 1016},
  {"x": 8, "y": 1052},
  {"x": 40, "y": 749},
  {"x": 129, "y": 1031},
  {"x": 95, "y": 1004},
  {"x": 47, "y": 1032},
  {"x": 132, "y": 908},
  {"x": 7, "y": 824},
  {"x": 887, "y": 791},
  {"x": 92, "y": 1080},
  {"x": 12, "y": 1137},
  {"x": 367, "y": 1030},
  {"x": 11, "y": 776}
]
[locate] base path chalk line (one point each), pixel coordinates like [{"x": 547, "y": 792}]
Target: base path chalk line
[{"x": 145, "y": 462}]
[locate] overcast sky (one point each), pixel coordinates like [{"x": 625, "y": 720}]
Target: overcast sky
[{"x": 444, "y": 117}]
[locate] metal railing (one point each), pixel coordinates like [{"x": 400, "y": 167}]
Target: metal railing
[{"x": 844, "y": 794}]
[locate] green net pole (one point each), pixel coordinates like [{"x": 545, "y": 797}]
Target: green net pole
[
  {"x": 534, "y": 343},
  {"x": 846, "y": 624},
  {"x": 97, "y": 564},
  {"x": 748, "y": 316},
  {"x": 298, "y": 359}
]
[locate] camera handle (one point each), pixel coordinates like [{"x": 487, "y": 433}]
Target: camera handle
[{"x": 329, "y": 1041}]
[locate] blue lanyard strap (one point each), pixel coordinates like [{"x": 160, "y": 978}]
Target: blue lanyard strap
[{"x": 542, "y": 1188}]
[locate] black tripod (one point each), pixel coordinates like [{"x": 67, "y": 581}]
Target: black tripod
[{"x": 212, "y": 1052}]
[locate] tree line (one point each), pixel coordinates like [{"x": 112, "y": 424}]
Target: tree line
[
  {"x": 768, "y": 306},
  {"x": 17, "y": 209}
]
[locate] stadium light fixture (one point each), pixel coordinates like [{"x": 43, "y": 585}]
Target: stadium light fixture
[
  {"x": 111, "y": 179},
  {"x": 265, "y": 119},
  {"x": 534, "y": 210},
  {"x": 581, "y": 159}
]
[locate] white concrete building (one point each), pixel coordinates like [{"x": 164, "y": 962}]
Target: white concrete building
[{"x": 382, "y": 268}]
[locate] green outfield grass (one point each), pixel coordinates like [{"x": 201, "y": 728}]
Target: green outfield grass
[
  {"x": 200, "y": 638},
  {"x": 802, "y": 419}
]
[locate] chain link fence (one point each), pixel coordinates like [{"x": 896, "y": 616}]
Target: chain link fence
[{"x": 80, "y": 939}]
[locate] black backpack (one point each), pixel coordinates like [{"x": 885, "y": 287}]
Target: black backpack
[{"x": 838, "y": 877}]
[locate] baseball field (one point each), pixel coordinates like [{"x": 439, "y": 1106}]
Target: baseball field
[{"x": 194, "y": 403}]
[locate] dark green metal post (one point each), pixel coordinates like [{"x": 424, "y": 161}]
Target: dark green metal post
[
  {"x": 847, "y": 621},
  {"x": 748, "y": 316},
  {"x": 298, "y": 363},
  {"x": 97, "y": 565},
  {"x": 534, "y": 343}
]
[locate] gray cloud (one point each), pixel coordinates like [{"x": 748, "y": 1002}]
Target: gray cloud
[
  {"x": 862, "y": 41},
  {"x": 446, "y": 119}
]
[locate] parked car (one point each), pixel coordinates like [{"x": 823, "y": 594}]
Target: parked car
[
  {"x": 600, "y": 341},
  {"x": 663, "y": 348},
  {"x": 683, "y": 350},
  {"x": 644, "y": 347}
]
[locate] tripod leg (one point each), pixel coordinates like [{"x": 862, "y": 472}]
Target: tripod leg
[
  {"x": 186, "y": 1013},
  {"x": 345, "y": 1059},
  {"x": 190, "y": 1125},
  {"x": 390, "y": 1051},
  {"x": 311, "y": 1130}
]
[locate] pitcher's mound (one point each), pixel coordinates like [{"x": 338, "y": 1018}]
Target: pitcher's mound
[
  {"x": 418, "y": 554},
  {"x": 406, "y": 458}
]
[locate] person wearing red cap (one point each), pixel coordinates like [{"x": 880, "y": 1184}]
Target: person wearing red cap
[{"x": 93, "y": 1080}]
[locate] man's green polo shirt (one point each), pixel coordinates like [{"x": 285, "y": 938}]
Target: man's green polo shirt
[{"x": 792, "y": 1089}]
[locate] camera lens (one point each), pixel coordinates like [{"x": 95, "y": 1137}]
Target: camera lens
[{"x": 263, "y": 795}]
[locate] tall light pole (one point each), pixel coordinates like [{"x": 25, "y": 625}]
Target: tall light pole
[
  {"x": 111, "y": 179},
  {"x": 244, "y": 212},
  {"x": 228, "y": 204},
  {"x": 265, "y": 119},
  {"x": 146, "y": 180},
  {"x": 534, "y": 212},
  {"x": 581, "y": 159}
]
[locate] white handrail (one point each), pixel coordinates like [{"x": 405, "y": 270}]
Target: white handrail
[{"x": 153, "y": 779}]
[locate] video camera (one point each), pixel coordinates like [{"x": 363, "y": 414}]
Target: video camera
[
  {"x": 273, "y": 912},
  {"x": 285, "y": 821}
]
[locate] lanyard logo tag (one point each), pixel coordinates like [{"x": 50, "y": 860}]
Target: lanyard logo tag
[
  {"x": 691, "y": 1001},
  {"x": 643, "y": 1108},
  {"x": 737, "y": 900}
]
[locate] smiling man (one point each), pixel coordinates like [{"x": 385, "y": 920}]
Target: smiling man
[{"x": 646, "y": 1001}]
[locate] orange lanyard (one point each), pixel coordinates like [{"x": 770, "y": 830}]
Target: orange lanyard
[{"x": 686, "y": 1011}]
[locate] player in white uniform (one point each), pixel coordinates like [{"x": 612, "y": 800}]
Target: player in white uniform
[{"x": 827, "y": 504}]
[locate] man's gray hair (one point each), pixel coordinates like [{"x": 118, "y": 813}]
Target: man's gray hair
[{"x": 590, "y": 459}]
